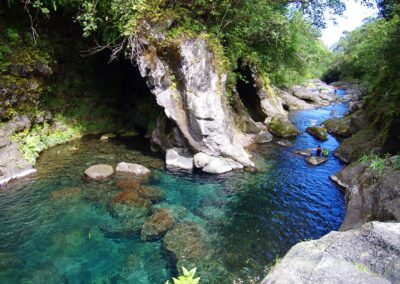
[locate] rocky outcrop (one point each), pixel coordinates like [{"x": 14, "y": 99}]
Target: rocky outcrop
[
  {"x": 282, "y": 127},
  {"x": 370, "y": 254},
  {"x": 291, "y": 102},
  {"x": 190, "y": 91},
  {"x": 348, "y": 125},
  {"x": 179, "y": 158},
  {"x": 318, "y": 132},
  {"x": 370, "y": 195}
]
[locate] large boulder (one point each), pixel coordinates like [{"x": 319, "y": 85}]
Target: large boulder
[
  {"x": 346, "y": 126},
  {"x": 133, "y": 169},
  {"x": 99, "y": 172},
  {"x": 318, "y": 132},
  {"x": 157, "y": 225},
  {"x": 369, "y": 254},
  {"x": 370, "y": 195},
  {"x": 179, "y": 158},
  {"x": 282, "y": 127}
]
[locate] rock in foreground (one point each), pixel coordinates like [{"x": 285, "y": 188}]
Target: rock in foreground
[
  {"x": 318, "y": 132},
  {"x": 100, "y": 171},
  {"x": 315, "y": 161},
  {"x": 370, "y": 254}
]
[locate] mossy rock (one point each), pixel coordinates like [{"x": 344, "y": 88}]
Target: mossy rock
[
  {"x": 157, "y": 225},
  {"x": 318, "y": 132},
  {"x": 365, "y": 141},
  {"x": 281, "y": 126}
]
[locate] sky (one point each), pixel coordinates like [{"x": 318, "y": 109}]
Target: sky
[{"x": 352, "y": 18}]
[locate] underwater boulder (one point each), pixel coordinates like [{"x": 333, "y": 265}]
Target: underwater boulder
[
  {"x": 151, "y": 193},
  {"x": 66, "y": 194},
  {"x": 157, "y": 225}
]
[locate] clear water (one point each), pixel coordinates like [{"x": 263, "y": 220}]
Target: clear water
[{"x": 248, "y": 219}]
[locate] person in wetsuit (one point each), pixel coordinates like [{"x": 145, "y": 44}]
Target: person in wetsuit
[{"x": 319, "y": 150}]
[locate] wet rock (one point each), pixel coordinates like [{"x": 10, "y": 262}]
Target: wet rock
[
  {"x": 99, "y": 172},
  {"x": 134, "y": 169},
  {"x": 263, "y": 137},
  {"x": 314, "y": 92},
  {"x": 157, "y": 225},
  {"x": 201, "y": 160},
  {"x": 369, "y": 195},
  {"x": 346, "y": 126},
  {"x": 67, "y": 194},
  {"x": 221, "y": 165},
  {"x": 179, "y": 158},
  {"x": 151, "y": 193},
  {"x": 369, "y": 254},
  {"x": 318, "y": 132},
  {"x": 305, "y": 152},
  {"x": 282, "y": 127},
  {"x": 315, "y": 161},
  {"x": 292, "y": 102}
]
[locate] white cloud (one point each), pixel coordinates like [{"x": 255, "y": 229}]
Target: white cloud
[{"x": 352, "y": 18}]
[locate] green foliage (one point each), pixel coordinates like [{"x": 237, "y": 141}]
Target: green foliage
[
  {"x": 376, "y": 163},
  {"x": 186, "y": 278},
  {"x": 12, "y": 34}
]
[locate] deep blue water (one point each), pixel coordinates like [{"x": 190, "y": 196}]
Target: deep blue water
[{"x": 248, "y": 219}]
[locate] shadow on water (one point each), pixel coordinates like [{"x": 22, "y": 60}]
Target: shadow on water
[{"x": 249, "y": 218}]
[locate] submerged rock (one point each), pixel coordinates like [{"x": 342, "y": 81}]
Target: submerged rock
[
  {"x": 263, "y": 137},
  {"x": 282, "y": 127},
  {"x": 67, "y": 194},
  {"x": 151, "y": 193},
  {"x": 157, "y": 225},
  {"x": 315, "y": 161},
  {"x": 318, "y": 132},
  {"x": 131, "y": 198},
  {"x": 284, "y": 143},
  {"x": 185, "y": 243},
  {"x": 128, "y": 184},
  {"x": 179, "y": 158},
  {"x": 305, "y": 152},
  {"x": 134, "y": 169},
  {"x": 100, "y": 171},
  {"x": 369, "y": 254}
]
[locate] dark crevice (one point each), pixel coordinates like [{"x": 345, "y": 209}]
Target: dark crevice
[{"x": 248, "y": 95}]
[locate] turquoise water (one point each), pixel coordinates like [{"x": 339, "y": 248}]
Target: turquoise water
[{"x": 244, "y": 220}]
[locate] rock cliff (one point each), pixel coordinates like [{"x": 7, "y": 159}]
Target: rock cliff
[{"x": 191, "y": 94}]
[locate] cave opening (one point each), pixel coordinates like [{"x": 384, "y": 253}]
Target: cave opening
[{"x": 247, "y": 91}]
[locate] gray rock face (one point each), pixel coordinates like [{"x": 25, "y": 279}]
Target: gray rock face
[
  {"x": 263, "y": 137},
  {"x": 346, "y": 126},
  {"x": 315, "y": 161},
  {"x": 291, "y": 101},
  {"x": 370, "y": 254},
  {"x": 318, "y": 132},
  {"x": 218, "y": 165},
  {"x": 134, "y": 169},
  {"x": 369, "y": 196},
  {"x": 100, "y": 171},
  {"x": 179, "y": 158},
  {"x": 197, "y": 108}
]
